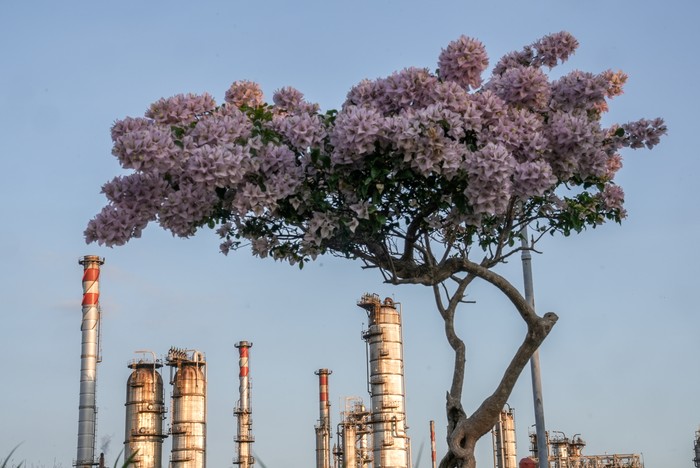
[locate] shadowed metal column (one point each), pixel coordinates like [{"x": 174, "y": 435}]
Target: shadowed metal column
[
  {"x": 244, "y": 437},
  {"x": 89, "y": 357},
  {"x": 323, "y": 429}
]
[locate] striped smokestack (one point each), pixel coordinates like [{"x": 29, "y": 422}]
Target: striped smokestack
[
  {"x": 89, "y": 357},
  {"x": 323, "y": 429},
  {"x": 244, "y": 437}
]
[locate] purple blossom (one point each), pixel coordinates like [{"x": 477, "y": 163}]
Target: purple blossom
[
  {"x": 145, "y": 147},
  {"x": 303, "y": 131},
  {"x": 532, "y": 178},
  {"x": 489, "y": 172},
  {"x": 180, "y": 109},
  {"x": 463, "y": 61},
  {"x": 643, "y": 133},
  {"x": 290, "y": 100},
  {"x": 409, "y": 88},
  {"x": 613, "y": 198},
  {"x": 522, "y": 86},
  {"x": 579, "y": 90},
  {"x": 221, "y": 129},
  {"x": 356, "y": 131},
  {"x": 521, "y": 132},
  {"x": 245, "y": 93},
  {"x": 185, "y": 208},
  {"x": 554, "y": 48}
]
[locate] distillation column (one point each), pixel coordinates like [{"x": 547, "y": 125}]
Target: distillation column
[
  {"x": 189, "y": 413},
  {"x": 89, "y": 357},
  {"x": 144, "y": 414},
  {"x": 504, "y": 452},
  {"x": 323, "y": 429},
  {"x": 244, "y": 437},
  {"x": 386, "y": 380}
]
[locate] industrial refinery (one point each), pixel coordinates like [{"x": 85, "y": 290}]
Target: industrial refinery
[{"x": 373, "y": 435}]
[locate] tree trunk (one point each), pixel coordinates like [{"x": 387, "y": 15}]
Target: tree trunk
[{"x": 464, "y": 431}]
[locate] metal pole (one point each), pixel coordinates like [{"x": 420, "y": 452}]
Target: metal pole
[{"x": 542, "y": 453}]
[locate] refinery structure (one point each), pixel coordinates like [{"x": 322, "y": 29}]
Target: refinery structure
[{"x": 365, "y": 436}]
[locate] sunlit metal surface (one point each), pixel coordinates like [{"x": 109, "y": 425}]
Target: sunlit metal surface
[
  {"x": 189, "y": 416},
  {"x": 144, "y": 415},
  {"x": 89, "y": 357},
  {"x": 391, "y": 447}
]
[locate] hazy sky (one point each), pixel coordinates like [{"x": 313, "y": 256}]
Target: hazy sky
[{"x": 620, "y": 367}]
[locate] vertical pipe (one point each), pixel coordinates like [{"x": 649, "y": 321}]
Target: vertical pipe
[
  {"x": 542, "y": 451},
  {"x": 389, "y": 438},
  {"x": 244, "y": 437},
  {"x": 323, "y": 429},
  {"x": 89, "y": 355},
  {"x": 433, "y": 450}
]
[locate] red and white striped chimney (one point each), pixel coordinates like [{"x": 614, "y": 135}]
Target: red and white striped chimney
[
  {"x": 323, "y": 429},
  {"x": 89, "y": 357},
  {"x": 244, "y": 437}
]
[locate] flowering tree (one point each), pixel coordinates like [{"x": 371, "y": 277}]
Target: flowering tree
[{"x": 428, "y": 177}]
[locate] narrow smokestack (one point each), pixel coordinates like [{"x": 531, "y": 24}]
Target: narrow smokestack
[
  {"x": 89, "y": 357},
  {"x": 433, "y": 450},
  {"x": 244, "y": 438},
  {"x": 323, "y": 429}
]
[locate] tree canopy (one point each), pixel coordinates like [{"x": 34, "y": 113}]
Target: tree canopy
[{"x": 428, "y": 176}]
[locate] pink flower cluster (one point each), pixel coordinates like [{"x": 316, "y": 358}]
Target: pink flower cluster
[{"x": 286, "y": 177}]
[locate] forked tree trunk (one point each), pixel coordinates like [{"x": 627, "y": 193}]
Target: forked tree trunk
[{"x": 464, "y": 431}]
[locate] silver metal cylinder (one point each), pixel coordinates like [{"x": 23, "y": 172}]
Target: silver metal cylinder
[
  {"x": 244, "y": 435},
  {"x": 89, "y": 357},
  {"x": 144, "y": 415},
  {"x": 189, "y": 413},
  {"x": 384, "y": 340},
  {"x": 323, "y": 428},
  {"x": 505, "y": 455}
]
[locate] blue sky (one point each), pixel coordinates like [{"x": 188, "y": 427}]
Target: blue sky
[{"x": 620, "y": 367}]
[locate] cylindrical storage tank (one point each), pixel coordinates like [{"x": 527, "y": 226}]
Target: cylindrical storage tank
[
  {"x": 385, "y": 343},
  {"x": 504, "y": 440},
  {"x": 323, "y": 429},
  {"x": 89, "y": 357},
  {"x": 144, "y": 415},
  {"x": 189, "y": 415}
]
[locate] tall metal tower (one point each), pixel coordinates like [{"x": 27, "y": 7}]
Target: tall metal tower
[
  {"x": 89, "y": 357},
  {"x": 144, "y": 414},
  {"x": 244, "y": 437},
  {"x": 323, "y": 428},
  {"x": 391, "y": 444},
  {"x": 189, "y": 408}
]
